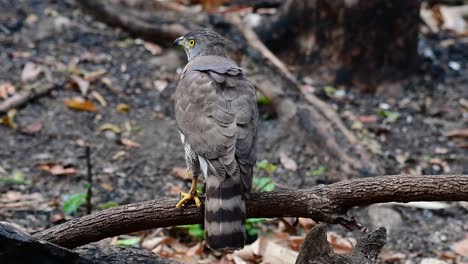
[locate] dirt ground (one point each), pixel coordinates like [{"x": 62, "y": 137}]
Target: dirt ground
[{"x": 404, "y": 125}]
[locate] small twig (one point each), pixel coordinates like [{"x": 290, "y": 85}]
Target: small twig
[
  {"x": 24, "y": 97},
  {"x": 90, "y": 180}
]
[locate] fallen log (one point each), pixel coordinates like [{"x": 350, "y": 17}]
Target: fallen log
[
  {"x": 17, "y": 246},
  {"x": 324, "y": 203}
]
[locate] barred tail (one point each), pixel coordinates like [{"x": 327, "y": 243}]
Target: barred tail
[{"x": 224, "y": 213}]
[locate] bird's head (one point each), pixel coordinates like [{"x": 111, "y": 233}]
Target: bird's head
[{"x": 202, "y": 42}]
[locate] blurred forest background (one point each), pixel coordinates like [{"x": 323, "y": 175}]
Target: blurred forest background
[{"x": 346, "y": 89}]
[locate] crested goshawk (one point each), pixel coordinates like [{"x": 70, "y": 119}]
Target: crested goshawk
[{"x": 216, "y": 113}]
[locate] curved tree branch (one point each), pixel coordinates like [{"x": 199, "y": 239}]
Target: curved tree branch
[{"x": 325, "y": 203}]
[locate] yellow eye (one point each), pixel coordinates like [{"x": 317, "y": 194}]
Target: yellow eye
[{"x": 191, "y": 42}]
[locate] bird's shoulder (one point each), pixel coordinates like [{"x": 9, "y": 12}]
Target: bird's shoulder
[{"x": 216, "y": 107}]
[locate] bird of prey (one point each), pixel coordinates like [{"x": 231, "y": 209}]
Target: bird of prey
[{"x": 216, "y": 113}]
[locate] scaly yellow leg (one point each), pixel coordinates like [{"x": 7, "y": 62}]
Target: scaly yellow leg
[{"x": 191, "y": 195}]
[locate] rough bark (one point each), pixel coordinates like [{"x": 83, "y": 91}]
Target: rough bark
[
  {"x": 328, "y": 204},
  {"x": 317, "y": 250},
  {"x": 17, "y": 246}
]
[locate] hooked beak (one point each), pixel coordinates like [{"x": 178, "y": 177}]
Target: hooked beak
[{"x": 178, "y": 41}]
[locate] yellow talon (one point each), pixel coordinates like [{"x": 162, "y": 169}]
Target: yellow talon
[{"x": 191, "y": 195}]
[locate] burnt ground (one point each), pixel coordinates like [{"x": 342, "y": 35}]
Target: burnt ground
[{"x": 59, "y": 38}]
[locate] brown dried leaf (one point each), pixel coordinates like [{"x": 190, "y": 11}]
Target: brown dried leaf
[
  {"x": 56, "y": 169},
  {"x": 106, "y": 186},
  {"x": 196, "y": 250},
  {"x": 153, "y": 48},
  {"x": 295, "y": 242},
  {"x": 32, "y": 128},
  {"x": 461, "y": 247},
  {"x": 13, "y": 200},
  {"x": 340, "y": 244},
  {"x": 119, "y": 154},
  {"x": 54, "y": 218},
  {"x": 9, "y": 119},
  {"x": 99, "y": 98},
  {"x": 368, "y": 118},
  {"x": 111, "y": 127},
  {"x": 129, "y": 143},
  {"x": 182, "y": 173},
  {"x": 276, "y": 254},
  {"x": 94, "y": 75},
  {"x": 153, "y": 242},
  {"x": 6, "y": 90},
  {"x": 176, "y": 189},
  {"x": 287, "y": 162},
  {"x": 459, "y": 133},
  {"x": 30, "y": 72},
  {"x": 123, "y": 108},
  {"x": 307, "y": 223},
  {"x": 81, "y": 105},
  {"x": 81, "y": 83}
]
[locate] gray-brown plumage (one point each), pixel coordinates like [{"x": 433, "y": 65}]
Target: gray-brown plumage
[{"x": 216, "y": 113}]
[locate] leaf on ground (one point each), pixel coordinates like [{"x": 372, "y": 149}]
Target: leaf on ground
[
  {"x": 277, "y": 254},
  {"x": 263, "y": 100},
  {"x": 129, "y": 143},
  {"x": 80, "y": 104},
  {"x": 8, "y": 120},
  {"x": 122, "y": 108},
  {"x": 196, "y": 231},
  {"x": 152, "y": 47},
  {"x": 111, "y": 127},
  {"x": 119, "y": 154},
  {"x": 459, "y": 133},
  {"x": 317, "y": 172},
  {"x": 266, "y": 166},
  {"x": 13, "y": 200},
  {"x": 175, "y": 190},
  {"x": 82, "y": 84},
  {"x": 182, "y": 173},
  {"x": 99, "y": 98},
  {"x": 196, "y": 250},
  {"x": 30, "y": 72},
  {"x": 453, "y": 18},
  {"x": 94, "y": 75},
  {"x": 389, "y": 116},
  {"x": 128, "y": 242},
  {"x": 6, "y": 89},
  {"x": 160, "y": 85},
  {"x": 56, "y": 169},
  {"x": 367, "y": 118},
  {"x": 263, "y": 184},
  {"x": 340, "y": 244},
  {"x": 287, "y": 162},
  {"x": 306, "y": 223},
  {"x": 17, "y": 177},
  {"x": 32, "y": 128},
  {"x": 151, "y": 242},
  {"x": 461, "y": 247},
  {"x": 72, "y": 204}
]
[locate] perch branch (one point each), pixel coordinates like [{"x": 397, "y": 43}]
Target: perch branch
[{"x": 325, "y": 203}]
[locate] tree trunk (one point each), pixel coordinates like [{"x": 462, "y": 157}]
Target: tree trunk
[{"x": 351, "y": 40}]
